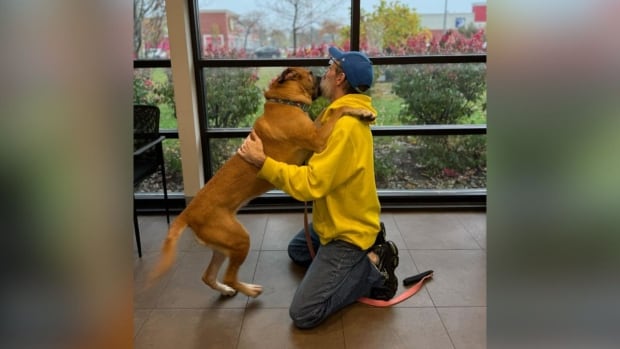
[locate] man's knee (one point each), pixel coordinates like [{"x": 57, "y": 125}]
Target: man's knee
[
  {"x": 305, "y": 319},
  {"x": 298, "y": 256}
]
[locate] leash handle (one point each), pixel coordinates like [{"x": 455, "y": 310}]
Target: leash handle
[
  {"x": 404, "y": 295},
  {"x": 307, "y": 231},
  {"x": 417, "y": 278}
]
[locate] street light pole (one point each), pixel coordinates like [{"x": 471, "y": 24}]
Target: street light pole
[{"x": 445, "y": 15}]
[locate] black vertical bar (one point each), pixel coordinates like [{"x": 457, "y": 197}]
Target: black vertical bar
[
  {"x": 355, "y": 25},
  {"x": 194, "y": 23}
]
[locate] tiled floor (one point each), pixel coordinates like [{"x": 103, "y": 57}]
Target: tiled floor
[{"x": 180, "y": 312}]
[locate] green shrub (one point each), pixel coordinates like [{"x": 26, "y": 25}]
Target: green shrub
[
  {"x": 442, "y": 94},
  {"x": 439, "y": 94},
  {"x": 232, "y": 97},
  {"x": 317, "y": 107},
  {"x": 153, "y": 87},
  {"x": 233, "y": 100}
]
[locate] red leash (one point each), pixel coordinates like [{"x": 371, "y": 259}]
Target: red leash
[
  {"x": 416, "y": 280},
  {"x": 307, "y": 231}
]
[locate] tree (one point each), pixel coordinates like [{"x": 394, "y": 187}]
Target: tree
[
  {"x": 389, "y": 26},
  {"x": 469, "y": 30},
  {"x": 301, "y": 13},
  {"x": 329, "y": 28},
  {"x": 250, "y": 22},
  {"x": 148, "y": 17},
  {"x": 278, "y": 38}
]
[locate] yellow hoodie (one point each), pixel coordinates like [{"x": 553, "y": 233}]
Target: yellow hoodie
[{"x": 340, "y": 180}]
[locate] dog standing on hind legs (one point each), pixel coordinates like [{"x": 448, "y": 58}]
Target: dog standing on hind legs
[{"x": 289, "y": 135}]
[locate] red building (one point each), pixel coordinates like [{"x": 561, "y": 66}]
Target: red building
[
  {"x": 220, "y": 30},
  {"x": 480, "y": 12}
]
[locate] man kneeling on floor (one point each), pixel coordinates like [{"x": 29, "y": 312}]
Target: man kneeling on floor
[{"x": 353, "y": 258}]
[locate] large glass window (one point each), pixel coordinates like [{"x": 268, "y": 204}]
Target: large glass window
[
  {"x": 430, "y": 94},
  {"x": 269, "y": 29},
  {"x": 153, "y": 85},
  {"x": 150, "y": 30},
  {"x": 430, "y": 78},
  {"x": 430, "y": 162},
  {"x": 421, "y": 27}
]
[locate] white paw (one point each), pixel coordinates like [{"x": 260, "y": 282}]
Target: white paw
[
  {"x": 253, "y": 290},
  {"x": 225, "y": 289}
]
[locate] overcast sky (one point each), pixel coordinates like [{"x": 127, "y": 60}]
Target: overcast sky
[{"x": 422, "y": 6}]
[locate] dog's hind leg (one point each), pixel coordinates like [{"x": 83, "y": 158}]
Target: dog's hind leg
[
  {"x": 230, "y": 278},
  {"x": 238, "y": 251},
  {"x": 210, "y": 275}
]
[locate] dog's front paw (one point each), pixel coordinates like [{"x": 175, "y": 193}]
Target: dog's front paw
[
  {"x": 362, "y": 114},
  {"x": 368, "y": 116}
]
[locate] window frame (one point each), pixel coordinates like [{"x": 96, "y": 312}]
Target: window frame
[{"x": 277, "y": 200}]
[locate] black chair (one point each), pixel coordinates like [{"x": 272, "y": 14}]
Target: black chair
[{"x": 148, "y": 156}]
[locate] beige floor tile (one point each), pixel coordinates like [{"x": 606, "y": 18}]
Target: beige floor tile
[
  {"x": 179, "y": 311},
  {"x": 476, "y": 225},
  {"x": 153, "y": 230},
  {"x": 392, "y": 231},
  {"x": 459, "y": 276},
  {"x": 147, "y": 296},
  {"x": 429, "y": 231},
  {"x": 281, "y": 228},
  {"x": 273, "y": 328},
  {"x": 394, "y": 328},
  {"x": 466, "y": 326},
  {"x": 255, "y": 225},
  {"x": 139, "y": 318},
  {"x": 190, "y": 328},
  {"x": 186, "y": 289},
  {"x": 279, "y": 278}
]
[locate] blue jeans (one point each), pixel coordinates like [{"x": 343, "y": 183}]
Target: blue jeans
[{"x": 339, "y": 274}]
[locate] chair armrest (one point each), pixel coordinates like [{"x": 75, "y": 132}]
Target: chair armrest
[{"x": 149, "y": 145}]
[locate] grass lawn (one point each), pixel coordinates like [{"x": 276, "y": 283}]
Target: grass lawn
[
  {"x": 388, "y": 105},
  {"x": 167, "y": 117},
  {"x": 265, "y": 74}
]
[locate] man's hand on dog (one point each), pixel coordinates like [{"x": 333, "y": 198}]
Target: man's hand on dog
[{"x": 252, "y": 150}]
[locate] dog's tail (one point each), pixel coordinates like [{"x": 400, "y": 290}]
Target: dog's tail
[{"x": 169, "y": 249}]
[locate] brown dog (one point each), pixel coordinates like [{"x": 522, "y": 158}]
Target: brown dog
[{"x": 288, "y": 135}]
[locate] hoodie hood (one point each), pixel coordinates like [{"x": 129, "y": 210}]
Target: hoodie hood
[{"x": 352, "y": 100}]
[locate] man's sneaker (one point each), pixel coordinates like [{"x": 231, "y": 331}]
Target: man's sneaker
[
  {"x": 380, "y": 236},
  {"x": 388, "y": 261}
]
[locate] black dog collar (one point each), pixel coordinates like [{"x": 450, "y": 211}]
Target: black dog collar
[{"x": 302, "y": 106}]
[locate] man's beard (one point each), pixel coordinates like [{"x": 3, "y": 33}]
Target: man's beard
[{"x": 327, "y": 88}]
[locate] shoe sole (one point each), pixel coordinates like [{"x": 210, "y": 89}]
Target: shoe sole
[{"x": 394, "y": 249}]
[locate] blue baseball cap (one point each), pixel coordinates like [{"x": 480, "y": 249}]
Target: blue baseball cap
[{"x": 356, "y": 66}]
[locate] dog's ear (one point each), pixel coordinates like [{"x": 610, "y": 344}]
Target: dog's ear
[{"x": 287, "y": 74}]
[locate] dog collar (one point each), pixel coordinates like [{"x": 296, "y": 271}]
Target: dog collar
[{"x": 302, "y": 106}]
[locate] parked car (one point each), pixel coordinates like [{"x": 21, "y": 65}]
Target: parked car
[
  {"x": 267, "y": 52},
  {"x": 156, "y": 53}
]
